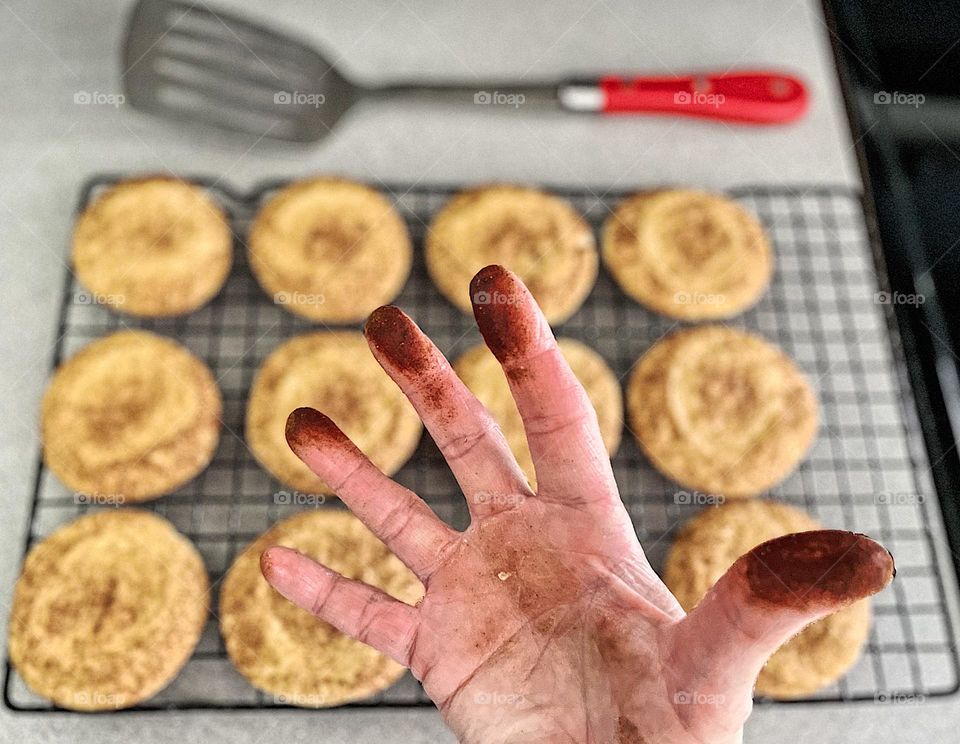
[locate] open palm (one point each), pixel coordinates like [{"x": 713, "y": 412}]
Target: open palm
[{"x": 543, "y": 621}]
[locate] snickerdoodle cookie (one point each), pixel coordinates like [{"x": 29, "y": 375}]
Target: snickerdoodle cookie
[
  {"x": 712, "y": 541},
  {"x": 539, "y": 237},
  {"x": 687, "y": 254},
  {"x": 721, "y": 410},
  {"x": 335, "y": 373},
  {"x": 330, "y": 250},
  {"x": 288, "y": 652},
  {"x": 481, "y": 372},
  {"x": 130, "y": 417},
  {"x": 107, "y": 610},
  {"x": 153, "y": 247}
]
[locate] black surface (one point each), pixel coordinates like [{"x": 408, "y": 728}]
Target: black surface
[{"x": 910, "y": 158}]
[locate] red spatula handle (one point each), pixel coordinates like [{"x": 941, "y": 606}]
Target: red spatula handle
[{"x": 743, "y": 96}]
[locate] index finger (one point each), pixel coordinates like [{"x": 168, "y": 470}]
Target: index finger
[{"x": 569, "y": 456}]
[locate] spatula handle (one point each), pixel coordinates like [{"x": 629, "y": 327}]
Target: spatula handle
[{"x": 743, "y": 96}]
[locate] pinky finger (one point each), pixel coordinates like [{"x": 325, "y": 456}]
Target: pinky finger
[{"x": 352, "y": 607}]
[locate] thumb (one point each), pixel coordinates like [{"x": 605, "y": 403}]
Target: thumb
[{"x": 764, "y": 599}]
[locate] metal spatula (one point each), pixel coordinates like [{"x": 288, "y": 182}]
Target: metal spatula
[{"x": 191, "y": 63}]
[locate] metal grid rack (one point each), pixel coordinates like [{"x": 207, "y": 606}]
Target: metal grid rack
[{"x": 866, "y": 472}]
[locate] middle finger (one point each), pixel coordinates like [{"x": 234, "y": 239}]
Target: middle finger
[{"x": 465, "y": 432}]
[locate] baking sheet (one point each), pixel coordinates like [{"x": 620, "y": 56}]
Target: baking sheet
[{"x": 867, "y": 471}]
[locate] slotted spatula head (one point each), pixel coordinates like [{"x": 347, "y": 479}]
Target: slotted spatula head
[{"x": 187, "y": 62}]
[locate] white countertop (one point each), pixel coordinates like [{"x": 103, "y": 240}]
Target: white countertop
[{"x": 51, "y": 145}]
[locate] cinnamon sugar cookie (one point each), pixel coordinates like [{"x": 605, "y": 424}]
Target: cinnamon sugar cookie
[
  {"x": 130, "y": 417},
  {"x": 482, "y": 374},
  {"x": 537, "y": 236},
  {"x": 107, "y": 610},
  {"x": 687, "y": 254},
  {"x": 713, "y": 540},
  {"x": 153, "y": 247},
  {"x": 288, "y": 652},
  {"x": 335, "y": 373},
  {"x": 330, "y": 250},
  {"x": 721, "y": 411}
]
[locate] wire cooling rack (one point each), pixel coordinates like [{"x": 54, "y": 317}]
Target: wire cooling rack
[{"x": 867, "y": 471}]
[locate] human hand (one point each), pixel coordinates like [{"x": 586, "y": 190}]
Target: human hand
[{"x": 543, "y": 621}]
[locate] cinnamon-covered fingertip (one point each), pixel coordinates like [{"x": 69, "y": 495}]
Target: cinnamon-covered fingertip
[
  {"x": 394, "y": 338},
  {"x": 307, "y": 428},
  {"x": 817, "y": 569},
  {"x": 506, "y": 313}
]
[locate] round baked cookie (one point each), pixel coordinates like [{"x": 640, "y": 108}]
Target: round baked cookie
[
  {"x": 713, "y": 540},
  {"x": 330, "y": 250},
  {"x": 288, "y": 652},
  {"x": 721, "y": 411},
  {"x": 483, "y": 375},
  {"x": 537, "y": 236},
  {"x": 153, "y": 247},
  {"x": 130, "y": 417},
  {"x": 107, "y": 610},
  {"x": 335, "y": 373},
  {"x": 687, "y": 254}
]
